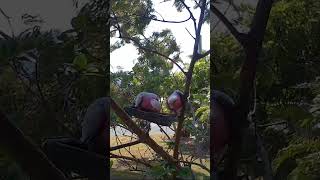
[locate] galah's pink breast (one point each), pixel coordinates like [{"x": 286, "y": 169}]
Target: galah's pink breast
[{"x": 146, "y": 104}]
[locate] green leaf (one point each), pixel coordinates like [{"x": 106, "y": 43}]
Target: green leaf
[
  {"x": 201, "y": 110},
  {"x": 80, "y": 61}
]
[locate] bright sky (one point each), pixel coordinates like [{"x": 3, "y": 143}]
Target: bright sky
[
  {"x": 124, "y": 56},
  {"x": 56, "y": 14},
  {"x": 127, "y": 55}
]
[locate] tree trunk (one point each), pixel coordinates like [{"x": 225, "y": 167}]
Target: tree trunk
[{"x": 252, "y": 43}]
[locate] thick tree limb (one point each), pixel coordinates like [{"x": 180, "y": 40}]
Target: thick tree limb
[
  {"x": 32, "y": 160},
  {"x": 141, "y": 134},
  {"x": 247, "y": 76},
  {"x": 157, "y": 118},
  {"x": 260, "y": 21},
  {"x": 200, "y": 56}
]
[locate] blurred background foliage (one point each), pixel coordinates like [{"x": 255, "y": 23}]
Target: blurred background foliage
[
  {"x": 48, "y": 78},
  {"x": 287, "y": 84}
]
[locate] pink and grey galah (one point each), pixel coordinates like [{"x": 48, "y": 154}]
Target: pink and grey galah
[
  {"x": 175, "y": 102},
  {"x": 148, "y": 102}
]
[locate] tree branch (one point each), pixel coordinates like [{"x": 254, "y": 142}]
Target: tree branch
[
  {"x": 157, "y": 118},
  {"x": 14, "y": 143},
  {"x": 191, "y": 15},
  {"x": 200, "y": 56},
  {"x": 166, "y": 21},
  {"x": 194, "y": 163},
  {"x": 241, "y": 37},
  {"x": 247, "y": 76},
  {"x": 124, "y": 145},
  {"x": 219, "y": 20},
  {"x": 141, "y": 134},
  {"x": 155, "y": 52},
  {"x": 161, "y": 129},
  {"x": 189, "y": 78},
  {"x": 190, "y": 34},
  {"x": 154, "y": 19},
  {"x": 129, "y": 158},
  {"x": 145, "y": 49}
]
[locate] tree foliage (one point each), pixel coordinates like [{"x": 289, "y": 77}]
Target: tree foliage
[{"x": 286, "y": 84}]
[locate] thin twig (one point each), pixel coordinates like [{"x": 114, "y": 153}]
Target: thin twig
[
  {"x": 155, "y": 52},
  {"x": 194, "y": 163},
  {"x": 124, "y": 145},
  {"x": 191, "y": 15},
  {"x": 167, "y": 21},
  {"x": 241, "y": 37},
  {"x": 129, "y": 158},
  {"x": 219, "y": 20},
  {"x": 164, "y": 131},
  {"x": 144, "y": 48},
  {"x": 190, "y": 34}
]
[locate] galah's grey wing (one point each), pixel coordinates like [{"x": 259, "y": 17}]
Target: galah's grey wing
[
  {"x": 94, "y": 120},
  {"x": 138, "y": 99}
]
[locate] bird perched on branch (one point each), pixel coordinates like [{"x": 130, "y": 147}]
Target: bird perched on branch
[
  {"x": 223, "y": 111},
  {"x": 148, "y": 102},
  {"x": 94, "y": 125},
  {"x": 175, "y": 102}
]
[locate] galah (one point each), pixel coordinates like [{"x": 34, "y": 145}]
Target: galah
[
  {"x": 175, "y": 102},
  {"x": 148, "y": 102},
  {"x": 223, "y": 115},
  {"x": 94, "y": 125}
]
